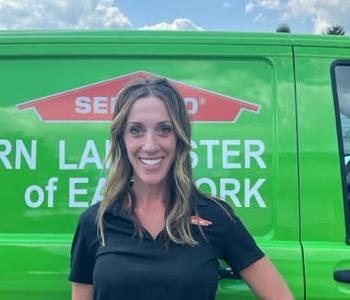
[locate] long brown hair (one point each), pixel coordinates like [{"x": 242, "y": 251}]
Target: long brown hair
[{"x": 117, "y": 188}]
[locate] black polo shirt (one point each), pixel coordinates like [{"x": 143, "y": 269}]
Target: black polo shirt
[{"x": 131, "y": 268}]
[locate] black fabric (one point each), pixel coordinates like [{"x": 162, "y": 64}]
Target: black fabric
[{"x": 132, "y": 268}]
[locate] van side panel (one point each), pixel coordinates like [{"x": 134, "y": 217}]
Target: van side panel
[
  {"x": 321, "y": 196},
  {"x": 55, "y": 103}
]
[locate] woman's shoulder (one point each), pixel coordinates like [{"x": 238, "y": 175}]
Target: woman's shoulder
[
  {"x": 214, "y": 208},
  {"x": 89, "y": 215}
]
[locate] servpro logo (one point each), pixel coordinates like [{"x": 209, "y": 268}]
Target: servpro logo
[{"x": 95, "y": 102}]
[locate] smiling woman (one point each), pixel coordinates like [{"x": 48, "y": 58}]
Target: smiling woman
[{"x": 157, "y": 236}]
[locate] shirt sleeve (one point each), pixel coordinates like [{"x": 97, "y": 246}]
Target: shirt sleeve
[
  {"x": 239, "y": 247},
  {"x": 82, "y": 259}
]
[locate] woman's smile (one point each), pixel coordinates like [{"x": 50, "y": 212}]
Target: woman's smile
[{"x": 153, "y": 162}]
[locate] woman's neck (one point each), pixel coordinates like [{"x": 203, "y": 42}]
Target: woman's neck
[{"x": 147, "y": 194}]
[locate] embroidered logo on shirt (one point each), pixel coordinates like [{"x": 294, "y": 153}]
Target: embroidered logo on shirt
[{"x": 199, "y": 221}]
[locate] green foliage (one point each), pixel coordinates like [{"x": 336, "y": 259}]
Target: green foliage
[
  {"x": 283, "y": 28},
  {"x": 335, "y": 30}
]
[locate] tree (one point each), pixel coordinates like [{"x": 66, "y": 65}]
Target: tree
[
  {"x": 335, "y": 30},
  {"x": 283, "y": 28}
]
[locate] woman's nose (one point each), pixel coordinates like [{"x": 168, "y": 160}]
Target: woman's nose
[{"x": 150, "y": 143}]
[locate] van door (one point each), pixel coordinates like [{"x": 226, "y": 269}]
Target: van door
[{"x": 323, "y": 132}]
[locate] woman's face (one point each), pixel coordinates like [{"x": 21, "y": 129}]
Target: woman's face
[{"x": 150, "y": 140}]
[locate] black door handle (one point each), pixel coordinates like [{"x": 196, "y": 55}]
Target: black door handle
[
  {"x": 228, "y": 274},
  {"x": 342, "y": 276}
]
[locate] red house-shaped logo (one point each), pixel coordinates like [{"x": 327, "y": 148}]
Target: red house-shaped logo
[{"x": 94, "y": 102}]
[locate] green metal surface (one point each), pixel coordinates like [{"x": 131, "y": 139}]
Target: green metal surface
[
  {"x": 321, "y": 198},
  {"x": 35, "y": 242}
]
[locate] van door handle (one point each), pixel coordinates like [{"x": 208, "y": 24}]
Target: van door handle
[
  {"x": 228, "y": 274},
  {"x": 342, "y": 276}
]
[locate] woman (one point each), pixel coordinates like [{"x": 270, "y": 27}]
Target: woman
[{"x": 155, "y": 236}]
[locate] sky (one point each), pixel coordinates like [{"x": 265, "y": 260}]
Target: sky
[{"x": 302, "y": 16}]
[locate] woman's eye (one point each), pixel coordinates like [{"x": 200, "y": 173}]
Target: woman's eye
[
  {"x": 135, "y": 130},
  {"x": 166, "y": 130}
]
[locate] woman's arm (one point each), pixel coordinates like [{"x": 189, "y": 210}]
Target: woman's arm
[
  {"x": 265, "y": 281},
  {"x": 82, "y": 291}
]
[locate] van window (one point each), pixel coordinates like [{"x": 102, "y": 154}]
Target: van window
[
  {"x": 341, "y": 84},
  {"x": 342, "y": 75}
]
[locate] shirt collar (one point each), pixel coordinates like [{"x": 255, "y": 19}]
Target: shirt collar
[{"x": 117, "y": 209}]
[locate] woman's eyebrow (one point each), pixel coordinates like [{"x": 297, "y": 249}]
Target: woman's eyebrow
[
  {"x": 134, "y": 123},
  {"x": 167, "y": 122}
]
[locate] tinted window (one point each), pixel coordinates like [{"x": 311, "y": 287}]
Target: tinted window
[
  {"x": 341, "y": 86},
  {"x": 342, "y": 79}
]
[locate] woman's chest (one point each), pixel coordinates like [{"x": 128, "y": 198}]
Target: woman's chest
[{"x": 131, "y": 265}]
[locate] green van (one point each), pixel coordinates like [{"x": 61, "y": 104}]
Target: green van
[{"x": 271, "y": 136}]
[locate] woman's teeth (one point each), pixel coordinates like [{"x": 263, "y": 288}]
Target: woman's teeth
[{"x": 151, "y": 162}]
